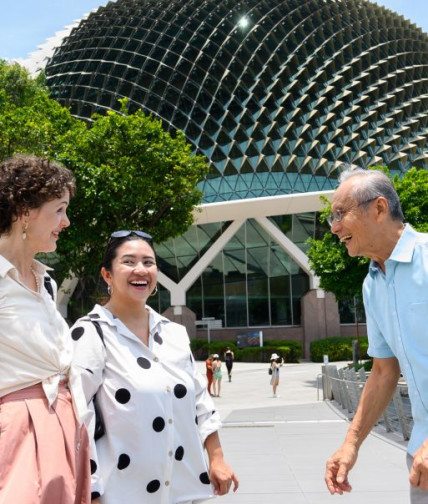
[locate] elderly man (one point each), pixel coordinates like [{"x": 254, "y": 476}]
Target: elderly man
[{"x": 367, "y": 217}]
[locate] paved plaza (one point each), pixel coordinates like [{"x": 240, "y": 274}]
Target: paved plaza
[{"x": 278, "y": 447}]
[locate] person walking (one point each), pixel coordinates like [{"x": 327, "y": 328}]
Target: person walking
[
  {"x": 368, "y": 220},
  {"x": 275, "y": 363},
  {"x": 209, "y": 373},
  {"x": 156, "y": 412},
  {"x": 44, "y": 448},
  {"x": 229, "y": 357},
  {"x": 217, "y": 375}
]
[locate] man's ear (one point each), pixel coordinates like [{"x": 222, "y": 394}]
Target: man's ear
[{"x": 382, "y": 207}]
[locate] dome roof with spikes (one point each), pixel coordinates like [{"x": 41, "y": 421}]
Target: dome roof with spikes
[{"x": 277, "y": 94}]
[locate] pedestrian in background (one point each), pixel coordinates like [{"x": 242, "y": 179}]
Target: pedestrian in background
[
  {"x": 275, "y": 363},
  {"x": 217, "y": 375},
  {"x": 44, "y": 453},
  {"x": 229, "y": 357},
  {"x": 209, "y": 372}
]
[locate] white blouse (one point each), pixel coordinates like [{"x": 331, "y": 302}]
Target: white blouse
[
  {"x": 35, "y": 343},
  {"x": 156, "y": 410}
]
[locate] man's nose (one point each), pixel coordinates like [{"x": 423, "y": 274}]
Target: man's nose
[{"x": 335, "y": 226}]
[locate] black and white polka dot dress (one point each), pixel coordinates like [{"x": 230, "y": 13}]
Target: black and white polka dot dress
[{"x": 155, "y": 407}]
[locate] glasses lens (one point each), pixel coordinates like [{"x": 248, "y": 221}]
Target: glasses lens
[
  {"x": 142, "y": 234},
  {"x": 120, "y": 234},
  {"x": 123, "y": 233}
]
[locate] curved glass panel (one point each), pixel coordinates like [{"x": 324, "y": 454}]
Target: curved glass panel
[{"x": 286, "y": 93}]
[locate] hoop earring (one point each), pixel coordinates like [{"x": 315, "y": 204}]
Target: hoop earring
[
  {"x": 155, "y": 291},
  {"x": 24, "y": 231}
]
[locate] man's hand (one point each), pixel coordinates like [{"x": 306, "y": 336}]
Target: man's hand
[
  {"x": 338, "y": 467},
  {"x": 419, "y": 471}
]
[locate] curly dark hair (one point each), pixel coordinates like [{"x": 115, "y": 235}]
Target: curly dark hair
[{"x": 27, "y": 182}]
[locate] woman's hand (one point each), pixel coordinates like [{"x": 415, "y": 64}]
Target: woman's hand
[
  {"x": 221, "y": 474},
  {"x": 222, "y": 477}
]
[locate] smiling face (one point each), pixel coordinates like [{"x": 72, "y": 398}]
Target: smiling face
[
  {"x": 133, "y": 274},
  {"x": 46, "y": 222},
  {"x": 357, "y": 228}
]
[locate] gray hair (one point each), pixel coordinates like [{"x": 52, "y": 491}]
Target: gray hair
[{"x": 374, "y": 183}]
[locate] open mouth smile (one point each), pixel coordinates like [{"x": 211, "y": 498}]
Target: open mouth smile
[
  {"x": 140, "y": 283},
  {"x": 345, "y": 238}
]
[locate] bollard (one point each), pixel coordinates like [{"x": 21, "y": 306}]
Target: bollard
[{"x": 326, "y": 383}]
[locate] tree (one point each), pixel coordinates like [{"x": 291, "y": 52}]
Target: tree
[
  {"x": 412, "y": 189},
  {"x": 30, "y": 121},
  {"x": 130, "y": 173}
]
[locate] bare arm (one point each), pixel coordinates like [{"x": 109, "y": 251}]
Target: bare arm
[
  {"x": 375, "y": 397},
  {"x": 221, "y": 474}
]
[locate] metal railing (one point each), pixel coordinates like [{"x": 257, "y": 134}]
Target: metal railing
[{"x": 345, "y": 386}]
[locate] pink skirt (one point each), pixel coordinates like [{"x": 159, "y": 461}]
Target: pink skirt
[{"x": 44, "y": 454}]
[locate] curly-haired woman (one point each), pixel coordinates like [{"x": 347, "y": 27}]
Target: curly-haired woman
[{"x": 43, "y": 450}]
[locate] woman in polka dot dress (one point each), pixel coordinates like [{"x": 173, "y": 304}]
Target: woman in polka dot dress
[{"x": 157, "y": 413}]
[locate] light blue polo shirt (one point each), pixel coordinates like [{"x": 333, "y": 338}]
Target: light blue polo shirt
[{"x": 396, "y": 305}]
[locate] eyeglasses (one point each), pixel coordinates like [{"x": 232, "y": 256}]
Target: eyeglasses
[
  {"x": 123, "y": 233},
  {"x": 337, "y": 215}
]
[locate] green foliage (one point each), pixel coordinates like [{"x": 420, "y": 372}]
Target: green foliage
[
  {"x": 413, "y": 191},
  {"x": 337, "y": 349},
  {"x": 290, "y": 350},
  {"x": 338, "y": 273},
  {"x": 200, "y": 349},
  {"x": 366, "y": 365},
  {"x": 130, "y": 173},
  {"x": 30, "y": 122}
]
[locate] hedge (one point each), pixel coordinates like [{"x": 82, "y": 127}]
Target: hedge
[
  {"x": 290, "y": 350},
  {"x": 337, "y": 349}
]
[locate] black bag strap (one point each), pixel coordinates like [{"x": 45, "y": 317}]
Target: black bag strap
[
  {"x": 100, "y": 429},
  {"x": 98, "y": 329},
  {"x": 47, "y": 280}
]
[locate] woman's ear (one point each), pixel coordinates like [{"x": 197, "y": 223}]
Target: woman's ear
[{"x": 106, "y": 274}]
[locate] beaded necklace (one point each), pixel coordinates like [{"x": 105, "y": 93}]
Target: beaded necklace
[{"x": 36, "y": 278}]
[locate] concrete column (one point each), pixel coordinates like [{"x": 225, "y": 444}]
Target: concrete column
[
  {"x": 184, "y": 316},
  {"x": 320, "y": 317}
]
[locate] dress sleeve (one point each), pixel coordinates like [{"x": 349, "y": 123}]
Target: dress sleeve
[{"x": 89, "y": 357}]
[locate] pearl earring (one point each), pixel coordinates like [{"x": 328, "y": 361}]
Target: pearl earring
[{"x": 24, "y": 231}]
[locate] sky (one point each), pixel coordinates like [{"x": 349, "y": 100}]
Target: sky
[{"x": 26, "y": 24}]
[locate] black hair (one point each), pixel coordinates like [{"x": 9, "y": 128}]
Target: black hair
[{"x": 114, "y": 243}]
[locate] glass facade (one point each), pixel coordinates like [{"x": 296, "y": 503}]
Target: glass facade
[
  {"x": 351, "y": 311},
  {"x": 252, "y": 282}
]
